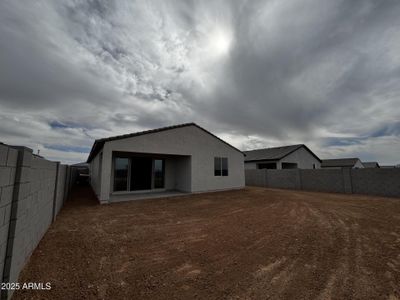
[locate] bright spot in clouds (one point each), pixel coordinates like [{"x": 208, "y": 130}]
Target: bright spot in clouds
[{"x": 220, "y": 41}]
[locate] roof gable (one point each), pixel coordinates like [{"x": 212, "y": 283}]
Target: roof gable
[
  {"x": 371, "y": 164},
  {"x": 275, "y": 153},
  {"x": 99, "y": 143},
  {"x": 340, "y": 162}
]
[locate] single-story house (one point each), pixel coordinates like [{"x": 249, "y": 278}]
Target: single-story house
[
  {"x": 351, "y": 163},
  {"x": 286, "y": 157},
  {"x": 181, "y": 158},
  {"x": 371, "y": 164}
]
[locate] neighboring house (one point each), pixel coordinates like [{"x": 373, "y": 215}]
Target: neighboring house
[
  {"x": 351, "y": 163},
  {"x": 370, "y": 164},
  {"x": 286, "y": 157},
  {"x": 184, "y": 158}
]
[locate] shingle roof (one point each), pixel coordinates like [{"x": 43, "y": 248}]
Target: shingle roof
[
  {"x": 275, "y": 153},
  {"x": 99, "y": 143},
  {"x": 340, "y": 162}
]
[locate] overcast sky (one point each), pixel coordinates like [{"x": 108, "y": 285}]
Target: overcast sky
[{"x": 256, "y": 73}]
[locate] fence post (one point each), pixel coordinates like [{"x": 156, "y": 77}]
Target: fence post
[{"x": 55, "y": 192}]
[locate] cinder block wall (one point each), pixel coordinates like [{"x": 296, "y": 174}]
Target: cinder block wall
[
  {"x": 61, "y": 183},
  {"x": 8, "y": 166},
  {"x": 255, "y": 177},
  {"x": 322, "y": 180},
  {"x": 284, "y": 179},
  {"x": 32, "y": 191},
  {"x": 384, "y": 182},
  {"x": 380, "y": 182},
  {"x": 35, "y": 208}
]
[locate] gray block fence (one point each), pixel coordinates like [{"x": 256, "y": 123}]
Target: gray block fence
[
  {"x": 32, "y": 192},
  {"x": 379, "y": 182}
]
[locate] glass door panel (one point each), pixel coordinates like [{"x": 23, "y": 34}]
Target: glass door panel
[
  {"x": 158, "y": 173},
  {"x": 141, "y": 170},
  {"x": 121, "y": 166}
]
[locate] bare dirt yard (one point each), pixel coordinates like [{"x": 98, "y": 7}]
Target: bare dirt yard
[{"x": 251, "y": 244}]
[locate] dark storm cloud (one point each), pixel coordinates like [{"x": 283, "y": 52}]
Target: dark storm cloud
[
  {"x": 37, "y": 68},
  {"x": 261, "y": 71},
  {"x": 258, "y": 73}
]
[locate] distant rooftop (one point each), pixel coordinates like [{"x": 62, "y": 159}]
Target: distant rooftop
[
  {"x": 370, "y": 164},
  {"x": 275, "y": 153},
  {"x": 340, "y": 162}
]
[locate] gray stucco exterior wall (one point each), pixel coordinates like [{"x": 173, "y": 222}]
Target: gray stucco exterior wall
[
  {"x": 250, "y": 166},
  {"x": 303, "y": 158},
  {"x": 95, "y": 173},
  {"x": 358, "y": 165}
]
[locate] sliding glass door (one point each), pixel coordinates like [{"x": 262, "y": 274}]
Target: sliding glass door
[{"x": 138, "y": 173}]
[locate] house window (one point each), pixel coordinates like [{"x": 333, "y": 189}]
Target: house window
[
  {"x": 224, "y": 168},
  {"x": 220, "y": 166},
  {"x": 217, "y": 166}
]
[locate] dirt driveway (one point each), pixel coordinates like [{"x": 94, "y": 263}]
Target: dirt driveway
[{"x": 252, "y": 244}]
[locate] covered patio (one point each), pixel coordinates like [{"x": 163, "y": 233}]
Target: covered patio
[{"x": 146, "y": 175}]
